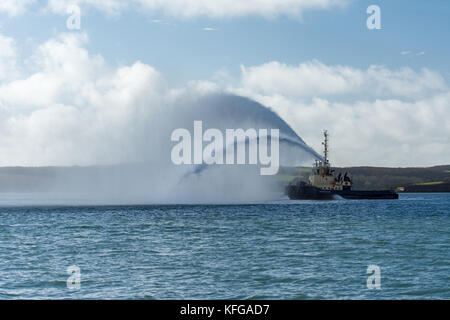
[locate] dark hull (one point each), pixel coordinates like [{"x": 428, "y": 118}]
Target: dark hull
[
  {"x": 303, "y": 191},
  {"x": 377, "y": 194}
]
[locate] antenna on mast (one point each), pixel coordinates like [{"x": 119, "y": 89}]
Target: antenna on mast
[{"x": 325, "y": 145}]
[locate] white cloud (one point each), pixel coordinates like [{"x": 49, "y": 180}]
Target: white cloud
[
  {"x": 74, "y": 107},
  {"x": 209, "y": 29},
  {"x": 408, "y": 53},
  {"x": 379, "y": 133},
  {"x": 193, "y": 8},
  {"x": 107, "y": 6},
  {"x": 230, "y": 8},
  {"x": 8, "y": 58},
  {"x": 315, "y": 79},
  {"x": 14, "y": 7},
  {"x": 63, "y": 66},
  {"x": 376, "y": 116}
]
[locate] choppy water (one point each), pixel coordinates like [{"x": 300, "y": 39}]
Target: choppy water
[{"x": 282, "y": 250}]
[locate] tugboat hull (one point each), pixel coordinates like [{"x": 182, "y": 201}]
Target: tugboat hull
[
  {"x": 376, "y": 194},
  {"x": 303, "y": 191}
]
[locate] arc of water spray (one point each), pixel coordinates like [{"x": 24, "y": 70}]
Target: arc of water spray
[{"x": 282, "y": 139}]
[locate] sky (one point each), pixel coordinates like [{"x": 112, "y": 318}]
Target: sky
[{"x": 382, "y": 94}]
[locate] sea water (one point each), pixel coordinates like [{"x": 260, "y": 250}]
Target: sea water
[{"x": 278, "y": 250}]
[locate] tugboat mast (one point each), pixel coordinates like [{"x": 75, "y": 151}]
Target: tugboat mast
[{"x": 325, "y": 144}]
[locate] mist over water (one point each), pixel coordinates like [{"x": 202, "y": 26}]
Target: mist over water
[{"x": 151, "y": 177}]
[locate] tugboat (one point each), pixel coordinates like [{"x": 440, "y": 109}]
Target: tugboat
[{"x": 323, "y": 185}]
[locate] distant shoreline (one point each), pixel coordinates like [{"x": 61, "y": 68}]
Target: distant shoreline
[{"x": 413, "y": 179}]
